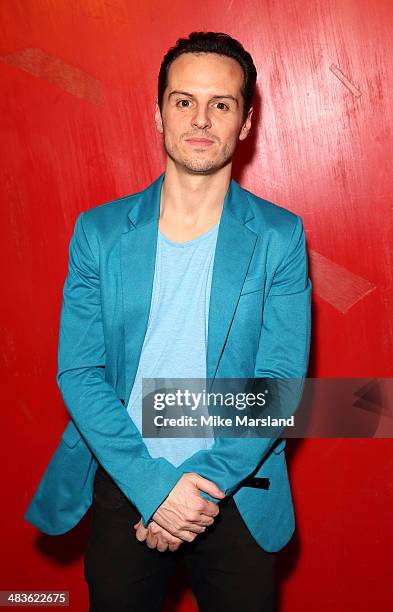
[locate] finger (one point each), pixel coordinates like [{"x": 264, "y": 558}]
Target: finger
[
  {"x": 193, "y": 527},
  {"x": 162, "y": 545},
  {"x": 208, "y": 487},
  {"x": 200, "y": 519},
  {"x": 210, "y": 508},
  {"x": 151, "y": 540},
  {"x": 171, "y": 539},
  {"x": 202, "y": 522},
  {"x": 206, "y": 521},
  {"x": 167, "y": 536},
  {"x": 163, "y": 535},
  {"x": 141, "y": 534},
  {"x": 186, "y": 536}
]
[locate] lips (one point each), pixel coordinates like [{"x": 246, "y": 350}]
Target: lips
[{"x": 204, "y": 142}]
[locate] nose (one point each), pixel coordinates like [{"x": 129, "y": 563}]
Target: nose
[{"x": 201, "y": 118}]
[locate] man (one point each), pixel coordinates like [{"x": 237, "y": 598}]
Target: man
[{"x": 191, "y": 277}]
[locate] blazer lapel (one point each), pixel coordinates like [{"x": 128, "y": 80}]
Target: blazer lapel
[
  {"x": 234, "y": 249},
  {"x": 138, "y": 253}
]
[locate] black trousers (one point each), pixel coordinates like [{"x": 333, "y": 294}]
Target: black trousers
[{"x": 228, "y": 570}]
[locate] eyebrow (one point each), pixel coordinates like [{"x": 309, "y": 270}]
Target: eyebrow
[{"x": 185, "y": 93}]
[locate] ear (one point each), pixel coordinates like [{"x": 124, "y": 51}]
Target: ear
[
  {"x": 158, "y": 118},
  {"x": 246, "y": 125}
]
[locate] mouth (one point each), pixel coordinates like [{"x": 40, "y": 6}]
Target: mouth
[{"x": 201, "y": 143}]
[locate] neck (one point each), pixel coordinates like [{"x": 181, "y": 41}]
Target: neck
[{"x": 192, "y": 200}]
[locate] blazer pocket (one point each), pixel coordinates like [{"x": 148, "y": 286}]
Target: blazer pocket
[
  {"x": 71, "y": 435},
  {"x": 255, "y": 283}
]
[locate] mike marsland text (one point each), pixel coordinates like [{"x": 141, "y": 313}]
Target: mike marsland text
[{"x": 217, "y": 421}]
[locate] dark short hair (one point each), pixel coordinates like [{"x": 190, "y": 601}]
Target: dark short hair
[{"x": 212, "y": 42}]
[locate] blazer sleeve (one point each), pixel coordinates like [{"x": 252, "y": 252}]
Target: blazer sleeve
[
  {"x": 283, "y": 352},
  {"x": 98, "y": 413}
]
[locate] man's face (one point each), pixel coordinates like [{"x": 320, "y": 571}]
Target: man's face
[{"x": 202, "y": 111}]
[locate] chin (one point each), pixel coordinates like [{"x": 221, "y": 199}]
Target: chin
[{"x": 201, "y": 168}]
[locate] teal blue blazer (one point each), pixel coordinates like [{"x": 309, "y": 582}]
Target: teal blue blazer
[{"x": 259, "y": 326}]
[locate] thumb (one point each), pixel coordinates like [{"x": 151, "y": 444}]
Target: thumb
[{"x": 208, "y": 487}]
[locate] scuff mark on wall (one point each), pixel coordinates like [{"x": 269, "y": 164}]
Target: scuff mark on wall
[
  {"x": 348, "y": 84},
  {"x": 58, "y": 72},
  {"x": 335, "y": 284}
]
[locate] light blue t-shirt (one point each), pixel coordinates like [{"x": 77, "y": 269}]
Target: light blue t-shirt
[{"x": 175, "y": 344}]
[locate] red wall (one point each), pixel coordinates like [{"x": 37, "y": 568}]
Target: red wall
[{"x": 78, "y": 89}]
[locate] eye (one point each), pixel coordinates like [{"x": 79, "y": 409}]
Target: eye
[
  {"x": 179, "y": 103},
  {"x": 226, "y": 107}
]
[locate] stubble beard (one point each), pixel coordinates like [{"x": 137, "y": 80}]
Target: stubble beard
[{"x": 197, "y": 164}]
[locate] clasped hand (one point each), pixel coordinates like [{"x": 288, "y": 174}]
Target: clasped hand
[{"x": 182, "y": 516}]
